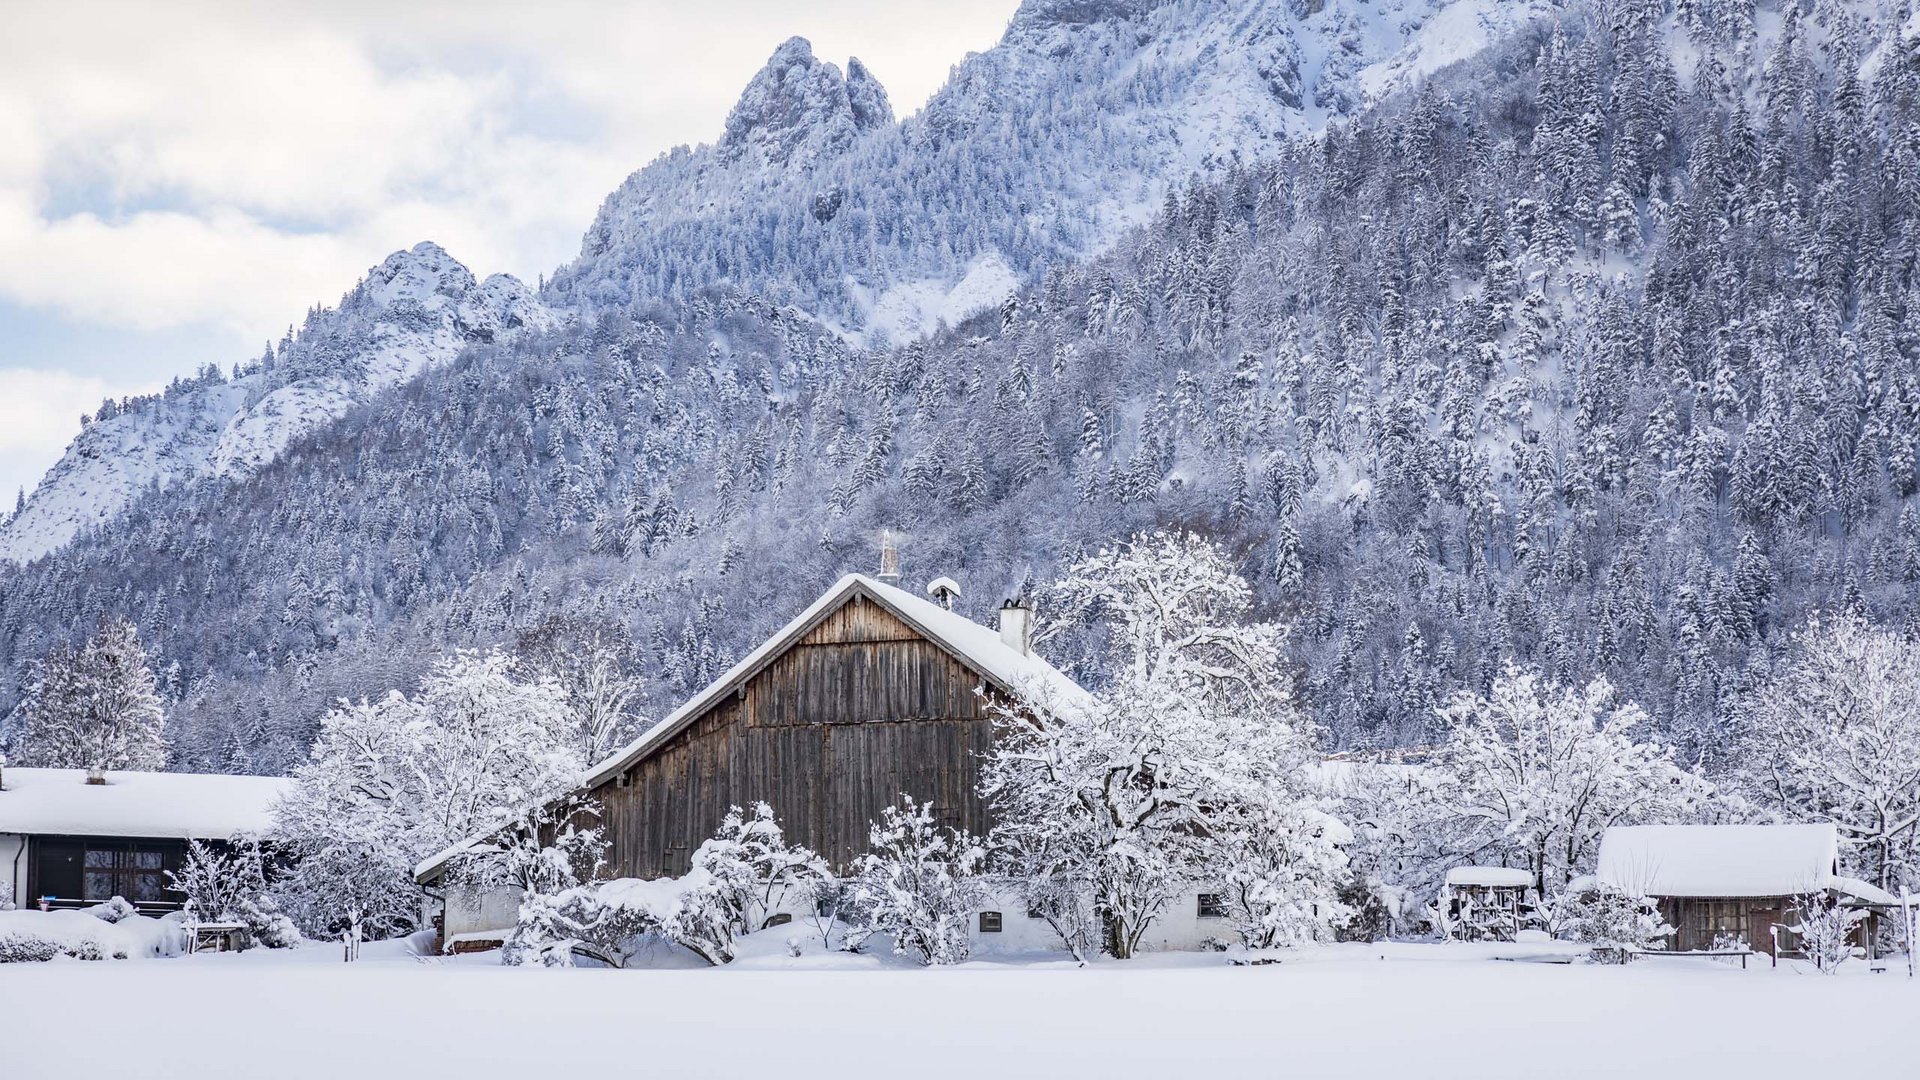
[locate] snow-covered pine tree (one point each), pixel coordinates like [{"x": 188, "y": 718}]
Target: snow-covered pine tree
[{"x": 95, "y": 707}]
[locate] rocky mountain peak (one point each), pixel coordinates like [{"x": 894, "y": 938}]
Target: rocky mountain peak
[
  {"x": 799, "y": 108},
  {"x": 423, "y": 274}
]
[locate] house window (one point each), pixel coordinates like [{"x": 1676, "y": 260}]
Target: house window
[
  {"x": 1210, "y": 905},
  {"x": 989, "y": 922},
  {"x": 110, "y": 872}
]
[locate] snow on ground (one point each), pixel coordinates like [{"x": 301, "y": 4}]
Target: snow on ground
[{"x": 1347, "y": 1011}]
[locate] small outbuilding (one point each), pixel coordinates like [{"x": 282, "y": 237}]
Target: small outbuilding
[
  {"x": 68, "y": 839},
  {"x": 1488, "y": 903},
  {"x": 1719, "y": 883}
]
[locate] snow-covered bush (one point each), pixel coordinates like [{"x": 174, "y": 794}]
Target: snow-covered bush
[
  {"x": 918, "y": 884},
  {"x": 1826, "y": 930},
  {"x": 1066, "y": 906},
  {"x": 42, "y": 935},
  {"x": 1618, "y": 923},
  {"x": 546, "y": 848},
  {"x": 752, "y": 870},
  {"x": 229, "y": 884},
  {"x": 825, "y": 903},
  {"x": 395, "y": 780},
  {"x": 741, "y": 874},
  {"x": 1371, "y": 917},
  {"x": 1160, "y": 781},
  {"x": 113, "y": 910},
  {"x": 1282, "y": 875},
  {"x": 17, "y": 947},
  {"x": 604, "y": 922},
  {"x": 337, "y": 888}
]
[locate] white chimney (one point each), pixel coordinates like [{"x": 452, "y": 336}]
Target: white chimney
[{"x": 1016, "y": 625}]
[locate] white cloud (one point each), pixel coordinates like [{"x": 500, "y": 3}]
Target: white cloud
[
  {"x": 230, "y": 165},
  {"x": 39, "y": 412}
]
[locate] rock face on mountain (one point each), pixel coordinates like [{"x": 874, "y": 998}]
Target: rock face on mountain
[
  {"x": 1045, "y": 147},
  {"x": 799, "y": 109},
  {"x": 417, "y": 308}
]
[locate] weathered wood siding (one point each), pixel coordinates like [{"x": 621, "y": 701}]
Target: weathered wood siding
[{"x": 858, "y": 710}]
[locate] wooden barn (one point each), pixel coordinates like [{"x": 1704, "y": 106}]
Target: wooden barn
[
  {"x": 1722, "y": 883},
  {"x": 869, "y": 693}
]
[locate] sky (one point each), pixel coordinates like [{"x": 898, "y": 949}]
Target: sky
[{"x": 180, "y": 182}]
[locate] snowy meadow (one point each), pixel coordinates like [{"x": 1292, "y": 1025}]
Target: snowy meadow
[{"x": 1340, "y": 1011}]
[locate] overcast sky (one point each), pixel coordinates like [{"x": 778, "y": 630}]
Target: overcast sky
[{"x": 179, "y": 182}]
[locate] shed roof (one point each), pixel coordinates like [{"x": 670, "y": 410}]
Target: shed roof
[
  {"x": 1719, "y": 860},
  {"x": 1490, "y": 876},
  {"x": 174, "y": 806},
  {"x": 979, "y": 647}
]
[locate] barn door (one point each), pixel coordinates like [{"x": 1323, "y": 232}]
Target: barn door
[{"x": 1760, "y": 924}]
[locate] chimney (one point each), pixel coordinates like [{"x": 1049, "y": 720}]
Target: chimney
[
  {"x": 945, "y": 590},
  {"x": 889, "y": 558},
  {"x": 1016, "y": 625}
]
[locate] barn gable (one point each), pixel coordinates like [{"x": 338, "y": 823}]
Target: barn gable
[{"x": 869, "y": 693}]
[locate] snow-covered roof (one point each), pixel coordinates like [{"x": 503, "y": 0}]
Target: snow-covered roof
[
  {"x": 980, "y": 647},
  {"x": 197, "y": 806},
  {"x": 1505, "y": 876},
  {"x": 1864, "y": 891},
  {"x": 1719, "y": 860}
]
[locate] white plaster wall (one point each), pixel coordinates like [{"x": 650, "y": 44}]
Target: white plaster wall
[
  {"x": 13, "y": 869},
  {"x": 470, "y": 910}
]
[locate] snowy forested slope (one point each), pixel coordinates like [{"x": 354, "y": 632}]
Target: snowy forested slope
[
  {"x": 416, "y": 309},
  {"x": 1048, "y": 146},
  {"x": 1594, "y": 351}
]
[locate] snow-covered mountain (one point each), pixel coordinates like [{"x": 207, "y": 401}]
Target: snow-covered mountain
[
  {"x": 1047, "y": 146},
  {"x": 418, "y": 308}
]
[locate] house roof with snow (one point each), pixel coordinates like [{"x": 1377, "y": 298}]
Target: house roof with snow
[
  {"x": 194, "y": 806},
  {"x": 980, "y": 647},
  {"x": 1006, "y": 666},
  {"x": 1719, "y": 860}
]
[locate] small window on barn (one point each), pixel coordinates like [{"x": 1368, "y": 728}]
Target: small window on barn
[
  {"x": 989, "y": 922},
  {"x": 1210, "y": 905},
  {"x": 777, "y": 919}
]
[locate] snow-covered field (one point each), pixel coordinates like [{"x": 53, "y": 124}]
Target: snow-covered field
[{"x": 1348, "y": 1011}]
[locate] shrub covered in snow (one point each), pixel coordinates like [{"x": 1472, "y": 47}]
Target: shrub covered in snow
[
  {"x": 1281, "y": 874},
  {"x": 43, "y": 935},
  {"x": 230, "y": 885},
  {"x": 604, "y": 922},
  {"x": 752, "y": 871},
  {"x": 113, "y": 910},
  {"x": 919, "y": 885},
  {"x": 742, "y": 873},
  {"x": 1826, "y": 930},
  {"x": 1616, "y": 922}
]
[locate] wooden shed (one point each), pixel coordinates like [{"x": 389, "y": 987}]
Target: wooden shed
[
  {"x": 1717, "y": 883},
  {"x": 869, "y": 693}
]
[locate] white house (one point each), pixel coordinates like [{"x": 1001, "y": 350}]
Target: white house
[{"x": 72, "y": 843}]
